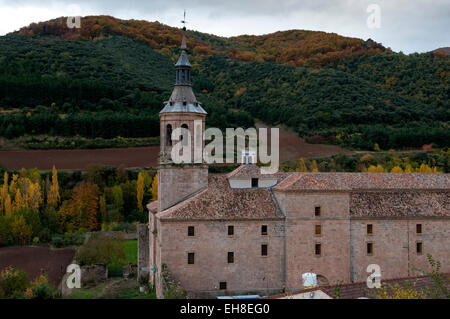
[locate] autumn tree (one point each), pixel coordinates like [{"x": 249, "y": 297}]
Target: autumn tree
[
  {"x": 80, "y": 212},
  {"x": 140, "y": 191},
  {"x": 53, "y": 196},
  {"x": 4, "y": 193},
  {"x": 154, "y": 189}
]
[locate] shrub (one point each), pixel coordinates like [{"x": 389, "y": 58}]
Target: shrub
[
  {"x": 100, "y": 250},
  {"x": 40, "y": 289},
  {"x": 57, "y": 241},
  {"x": 13, "y": 283}
]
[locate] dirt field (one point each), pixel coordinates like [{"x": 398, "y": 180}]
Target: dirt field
[
  {"x": 79, "y": 159},
  {"x": 32, "y": 259},
  {"x": 291, "y": 147}
]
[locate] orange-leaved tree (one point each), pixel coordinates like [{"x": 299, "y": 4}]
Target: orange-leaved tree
[{"x": 80, "y": 212}]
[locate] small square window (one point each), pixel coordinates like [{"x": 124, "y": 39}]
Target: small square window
[
  {"x": 419, "y": 228},
  {"x": 191, "y": 230},
  {"x": 318, "y": 249},
  {"x": 318, "y": 229},
  {"x": 317, "y": 211},
  {"x": 230, "y": 257},
  {"x": 254, "y": 182},
  {"x": 264, "y": 250},
  {"x": 223, "y": 285},
  {"x": 191, "y": 258},
  {"x": 369, "y": 229},
  {"x": 264, "y": 230},
  {"x": 419, "y": 248},
  {"x": 230, "y": 230},
  {"x": 369, "y": 248}
]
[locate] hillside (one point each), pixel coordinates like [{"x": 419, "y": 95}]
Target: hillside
[{"x": 110, "y": 77}]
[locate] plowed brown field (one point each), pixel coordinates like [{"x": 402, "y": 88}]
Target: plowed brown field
[{"x": 34, "y": 259}]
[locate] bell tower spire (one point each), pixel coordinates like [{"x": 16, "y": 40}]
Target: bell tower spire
[{"x": 182, "y": 110}]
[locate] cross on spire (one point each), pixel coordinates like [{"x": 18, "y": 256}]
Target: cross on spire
[{"x": 183, "y": 41}]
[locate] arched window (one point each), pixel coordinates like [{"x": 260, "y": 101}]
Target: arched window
[
  {"x": 169, "y": 135},
  {"x": 185, "y": 126}
]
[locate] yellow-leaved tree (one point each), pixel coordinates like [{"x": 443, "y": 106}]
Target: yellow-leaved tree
[
  {"x": 396, "y": 169},
  {"x": 314, "y": 168},
  {"x": 302, "y": 166},
  {"x": 53, "y": 196},
  {"x": 4, "y": 193},
  {"x": 140, "y": 191},
  {"x": 154, "y": 189},
  {"x": 80, "y": 212}
]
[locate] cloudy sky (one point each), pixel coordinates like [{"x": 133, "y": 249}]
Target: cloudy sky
[{"x": 404, "y": 25}]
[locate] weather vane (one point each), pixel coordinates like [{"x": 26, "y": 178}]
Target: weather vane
[{"x": 184, "y": 21}]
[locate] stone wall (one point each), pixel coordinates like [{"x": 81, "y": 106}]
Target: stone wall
[
  {"x": 143, "y": 250},
  {"x": 93, "y": 274},
  {"x": 250, "y": 271},
  {"x": 177, "y": 182}
]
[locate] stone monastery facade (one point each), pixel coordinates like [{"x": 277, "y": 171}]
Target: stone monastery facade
[{"x": 247, "y": 232}]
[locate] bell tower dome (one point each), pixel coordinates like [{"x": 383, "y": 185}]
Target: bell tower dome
[{"x": 182, "y": 110}]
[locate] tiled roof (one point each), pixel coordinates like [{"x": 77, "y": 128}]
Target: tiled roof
[
  {"x": 254, "y": 171},
  {"x": 400, "y": 203},
  {"x": 220, "y": 202},
  {"x": 364, "y": 181}
]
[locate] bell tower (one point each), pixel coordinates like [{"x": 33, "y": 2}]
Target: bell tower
[{"x": 182, "y": 110}]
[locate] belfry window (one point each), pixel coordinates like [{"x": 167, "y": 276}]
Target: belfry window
[
  {"x": 169, "y": 135},
  {"x": 185, "y": 126}
]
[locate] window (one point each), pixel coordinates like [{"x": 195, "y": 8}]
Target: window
[
  {"x": 369, "y": 229},
  {"x": 191, "y": 258},
  {"x": 223, "y": 285},
  {"x": 230, "y": 230},
  {"x": 317, "y": 211},
  {"x": 264, "y": 230},
  {"x": 318, "y": 229},
  {"x": 183, "y": 133},
  {"x": 230, "y": 257},
  {"x": 264, "y": 250},
  {"x": 318, "y": 249},
  {"x": 419, "y": 228},
  {"x": 254, "y": 182},
  {"x": 191, "y": 231},
  {"x": 369, "y": 249},
  {"x": 169, "y": 135},
  {"x": 419, "y": 248}
]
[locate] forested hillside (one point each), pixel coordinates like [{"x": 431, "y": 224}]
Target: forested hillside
[{"x": 110, "y": 78}]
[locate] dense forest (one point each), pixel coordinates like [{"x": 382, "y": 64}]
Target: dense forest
[{"x": 110, "y": 78}]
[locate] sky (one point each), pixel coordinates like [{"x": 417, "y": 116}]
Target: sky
[{"x": 403, "y": 25}]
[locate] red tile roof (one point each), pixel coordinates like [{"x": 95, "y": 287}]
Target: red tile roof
[
  {"x": 364, "y": 181},
  {"x": 400, "y": 203},
  {"x": 220, "y": 202}
]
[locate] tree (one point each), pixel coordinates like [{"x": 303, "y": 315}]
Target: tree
[
  {"x": 140, "y": 191},
  {"x": 118, "y": 197},
  {"x": 302, "y": 166},
  {"x": 4, "y": 193},
  {"x": 53, "y": 196},
  {"x": 314, "y": 168},
  {"x": 80, "y": 212},
  {"x": 8, "y": 206},
  {"x": 154, "y": 189},
  {"x": 396, "y": 169}
]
